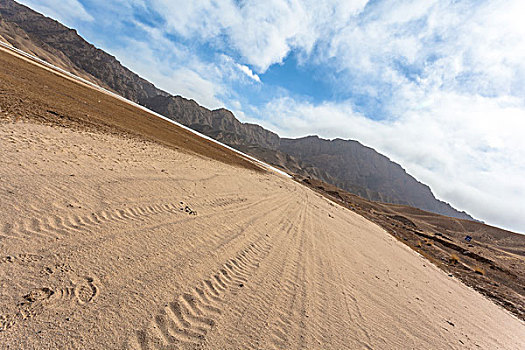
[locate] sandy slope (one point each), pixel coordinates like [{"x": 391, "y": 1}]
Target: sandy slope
[{"x": 110, "y": 242}]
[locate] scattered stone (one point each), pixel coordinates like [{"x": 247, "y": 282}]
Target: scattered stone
[{"x": 188, "y": 210}]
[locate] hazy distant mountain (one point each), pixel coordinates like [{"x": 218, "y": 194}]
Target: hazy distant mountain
[
  {"x": 346, "y": 164},
  {"x": 367, "y": 173}
]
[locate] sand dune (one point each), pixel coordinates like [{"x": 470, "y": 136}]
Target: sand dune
[
  {"x": 121, "y": 231},
  {"x": 111, "y": 242}
]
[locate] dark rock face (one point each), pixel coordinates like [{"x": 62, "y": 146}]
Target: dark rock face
[
  {"x": 220, "y": 124},
  {"x": 367, "y": 173},
  {"x": 344, "y": 163}
]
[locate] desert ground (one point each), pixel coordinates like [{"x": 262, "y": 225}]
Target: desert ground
[
  {"x": 492, "y": 262},
  {"x": 121, "y": 231}
]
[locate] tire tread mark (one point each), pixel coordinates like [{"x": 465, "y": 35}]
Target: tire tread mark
[
  {"x": 59, "y": 226},
  {"x": 191, "y": 315}
]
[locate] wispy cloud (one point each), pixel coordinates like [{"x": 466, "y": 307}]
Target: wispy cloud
[{"x": 246, "y": 70}]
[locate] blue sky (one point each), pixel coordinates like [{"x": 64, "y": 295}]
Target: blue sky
[{"x": 438, "y": 86}]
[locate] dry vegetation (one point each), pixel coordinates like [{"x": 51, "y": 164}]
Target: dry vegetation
[
  {"x": 454, "y": 259},
  {"x": 479, "y": 270}
]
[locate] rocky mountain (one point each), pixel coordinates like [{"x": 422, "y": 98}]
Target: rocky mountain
[
  {"x": 365, "y": 172},
  {"x": 11, "y": 33},
  {"x": 344, "y": 163},
  {"x": 220, "y": 124}
]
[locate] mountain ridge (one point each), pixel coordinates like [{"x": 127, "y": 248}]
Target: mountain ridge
[
  {"x": 352, "y": 151},
  {"x": 345, "y": 163}
]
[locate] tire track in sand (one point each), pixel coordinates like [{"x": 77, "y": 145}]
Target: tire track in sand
[
  {"x": 248, "y": 313},
  {"x": 186, "y": 320},
  {"x": 59, "y": 226},
  {"x": 284, "y": 331}
]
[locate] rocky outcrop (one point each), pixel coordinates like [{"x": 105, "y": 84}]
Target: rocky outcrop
[
  {"x": 220, "y": 124},
  {"x": 344, "y": 163}
]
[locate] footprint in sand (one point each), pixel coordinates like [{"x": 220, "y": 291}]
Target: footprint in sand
[
  {"x": 87, "y": 291},
  {"x": 39, "y": 299}
]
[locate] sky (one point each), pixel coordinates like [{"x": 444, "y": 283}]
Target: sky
[{"x": 437, "y": 86}]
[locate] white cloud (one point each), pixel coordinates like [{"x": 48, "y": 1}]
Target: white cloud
[
  {"x": 65, "y": 11},
  {"x": 454, "y": 45},
  {"x": 459, "y": 45},
  {"x": 470, "y": 158},
  {"x": 263, "y": 33},
  {"x": 246, "y": 70},
  {"x": 231, "y": 69}
]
